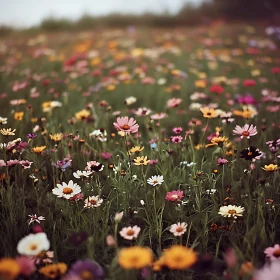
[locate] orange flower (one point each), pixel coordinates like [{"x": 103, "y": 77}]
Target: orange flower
[
  {"x": 53, "y": 270},
  {"x": 38, "y": 150},
  {"x": 179, "y": 257},
  {"x": 9, "y": 269},
  {"x": 135, "y": 257}
]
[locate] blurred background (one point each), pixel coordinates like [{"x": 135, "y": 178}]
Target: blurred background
[{"x": 64, "y": 14}]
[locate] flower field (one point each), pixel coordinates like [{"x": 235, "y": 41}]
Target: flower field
[{"x": 140, "y": 153}]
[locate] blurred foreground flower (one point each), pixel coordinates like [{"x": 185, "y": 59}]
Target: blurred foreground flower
[{"x": 135, "y": 257}]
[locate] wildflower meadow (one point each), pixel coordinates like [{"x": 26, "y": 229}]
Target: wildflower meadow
[{"x": 141, "y": 153}]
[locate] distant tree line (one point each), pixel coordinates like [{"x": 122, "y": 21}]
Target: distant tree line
[{"x": 189, "y": 14}]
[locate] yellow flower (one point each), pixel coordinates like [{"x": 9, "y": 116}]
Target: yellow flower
[
  {"x": 111, "y": 87},
  {"x": 135, "y": 257},
  {"x": 217, "y": 141},
  {"x": 158, "y": 264},
  {"x": 18, "y": 115},
  {"x": 141, "y": 160},
  {"x": 209, "y": 112},
  {"x": 38, "y": 150},
  {"x": 56, "y": 137},
  {"x": 33, "y": 120},
  {"x": 270, "y": 167},
  {"x": 53, "y": 270},
  {"x": 136, "y": 150},
  {"x": 7, "y": 132},
  {"x": 83, "y": 114},
  {"x": 200, "y": 83},
  {"x": 9, "y": 269},
  {"x": 179, "y": 257}
]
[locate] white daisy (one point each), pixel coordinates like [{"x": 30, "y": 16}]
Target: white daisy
[
  {"x": 33, "y": 244},
  {"x": 78, "y": 174},
  {"x": 178, "y": 229},
  {"x": 155, "y": 180},
  {"x": 231, "y": 211},
  {"x": 3, "y": 120},
  {"x": 130, "y": 232},
  {"x": 93, "y": 202},
  {"x": 67, "y": 190}
]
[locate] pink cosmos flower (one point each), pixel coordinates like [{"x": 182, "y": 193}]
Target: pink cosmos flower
[
  {"x": 158, "y": 116},
  {"x": 222, "y": 161},
  {"x": 142, "y": 112},
  {"x": 245, "y": 131},
  {"x": 126, "y": 125},
  {"x": 94, "y": 166},
  {"x": 174, "y": 195},
  {"x": 176, "y": 139},
  {"x": 177, "y": 130},
  {"x": 25, "y": 163},
  {"x": 2, "y": 163},
  {"x": 273, "y": 252},
  {"x": 173, "y": 102},
  {"x": 12, "y": 162},
  {"x": 130, "y": 232}
]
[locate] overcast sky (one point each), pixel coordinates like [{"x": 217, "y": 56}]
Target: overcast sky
[{"x": 25, "y": 13}]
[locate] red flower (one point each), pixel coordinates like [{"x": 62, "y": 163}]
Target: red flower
[
  {"x": 249, "y": 83},
  {"x": 217, "y": 89}
]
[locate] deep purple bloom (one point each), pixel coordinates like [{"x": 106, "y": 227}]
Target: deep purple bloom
[{"x": 89, "y": 268}]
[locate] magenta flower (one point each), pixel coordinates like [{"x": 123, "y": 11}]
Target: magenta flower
[
  {"x": 126, "y": 125},
  {"x": 25, "y": 163},
  {"x": 2, "y": 163},
  {"x": 174, "y": 195},
  {"x": 176, "y": 139},
  {"x": 273, "y": 252},
  {"x": 106, "y": 155},
  {"x": 177, "y": 130},
  {"x": 245, "y": 131},
  {"x": 222, "y": 161}
]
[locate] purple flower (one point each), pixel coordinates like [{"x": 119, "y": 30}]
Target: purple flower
[
  {"x": 31, "y": 135},
  {"x": 62, "y": 164},
  {"x": 87, "y": 269},
  {"x": 247, "y": 99}
]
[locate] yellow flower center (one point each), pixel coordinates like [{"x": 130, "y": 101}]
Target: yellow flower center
[
  {"x": 250, "y": 153},
  {"x": 67, "y": 190},
  {"x": 174, "y": 196},
  {"x": 232, "y": 212},
  {"x": 33, "y": 247},
  {"x": 155, "y": 181},
  {"x": 93, "y": 202}
]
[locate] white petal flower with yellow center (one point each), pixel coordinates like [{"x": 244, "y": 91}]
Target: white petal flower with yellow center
[
  {"x": 33, "y": 244},
  {"x": 155, "y": 180},
  {"x": 231, "y": 211},
  {"x": 67, "y": 190}
]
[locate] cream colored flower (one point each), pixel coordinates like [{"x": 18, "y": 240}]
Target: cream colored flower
[
  {"x": 33, "y": 244},
  {"x": 231, "y": 211}
]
